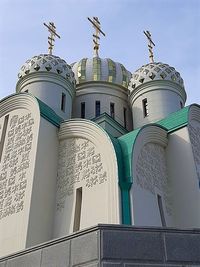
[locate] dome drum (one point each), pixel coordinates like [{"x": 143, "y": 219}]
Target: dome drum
[
  {"x": 152, "y": 106},
  {"x": 45, "y": 78},
  {"x": 157, "y": 85},
  {"x": 111, "y": 98},
  {"x": 101, "y": 86},
  {"x": 51, "y": 80},
  {"x": 156, "y": 90}
]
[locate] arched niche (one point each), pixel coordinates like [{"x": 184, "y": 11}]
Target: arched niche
[{"x": 87, "y": 182}]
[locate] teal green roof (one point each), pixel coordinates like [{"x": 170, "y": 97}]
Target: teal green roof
[
  {"x": 123, "y": 183},
  {"x": 116, "y": 125},
  {"x": 175, "y": 120},
  {"x": 126, "y": 142},
  {"x": 48, "y": 114},
  {"x": 123, "y": 148},
  {"x": 118, "y": 151}
]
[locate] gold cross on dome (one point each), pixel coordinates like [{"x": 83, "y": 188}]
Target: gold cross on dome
[
  {"x": 150, "y": 45},
  {"x": 96, "y": 37},
  {"x": 51, "y": 39}
]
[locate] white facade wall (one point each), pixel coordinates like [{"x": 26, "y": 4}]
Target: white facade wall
[
  {"x": 145, "y": 207},
  {"x": 28, "y": 171},
  {"x": 194, "y": 133},
  {"x": 17, "y": 170},
  {"x": 43, "y": 199},
  {"x": 106, "y": 94},
  {"x": 183, "y": 179}
]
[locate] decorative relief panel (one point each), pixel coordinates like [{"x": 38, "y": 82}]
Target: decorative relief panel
[
  {"x": 151, "y": 172},
  {"x": 15, "y": 163},
  {"x": 80, "y": 163},
  {"x": 194, "y": 132}
]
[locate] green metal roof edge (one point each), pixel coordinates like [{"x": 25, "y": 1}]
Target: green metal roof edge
[
  {"x": 106, "y": 115},
  {"x": 118, "y": 152},
  {"x": 45, "y": 111},
  {"x": 126, "y": 142},
  {"x": 48, "y": 114},
  {"x": 124, "y": 186},
  {"x": 175, "y": 120}
]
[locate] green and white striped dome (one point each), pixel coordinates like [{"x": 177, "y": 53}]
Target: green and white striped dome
[{"x": 98, "y": 69}]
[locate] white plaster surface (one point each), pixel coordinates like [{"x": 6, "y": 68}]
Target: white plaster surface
[
  {"x": 16, "y": 180},
  {"x": 183, "y": 179},
  {"x": 41, "y": 217},
  {"x": 150, "y": 178},
  {"x": 1, "y": 125},
  {"x": 194, "y": 133}
]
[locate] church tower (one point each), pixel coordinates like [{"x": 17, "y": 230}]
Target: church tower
[
  {"x": 49, "y": 78},
  {"x": 29, "y": 123},
  {"x": 156, "y": 90},
  {"x": 102, "y": 89},
  {"x": 70, "y": 159}
]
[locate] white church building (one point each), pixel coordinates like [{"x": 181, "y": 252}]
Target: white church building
[{"x": 91, "y": 143}]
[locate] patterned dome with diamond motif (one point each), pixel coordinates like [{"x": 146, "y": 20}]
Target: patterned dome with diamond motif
[
  {"x": 155, "y": 71},
  {"x": 47, "y": 63}
]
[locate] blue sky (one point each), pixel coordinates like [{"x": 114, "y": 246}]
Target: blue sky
[{"x": 174, "y": 25}]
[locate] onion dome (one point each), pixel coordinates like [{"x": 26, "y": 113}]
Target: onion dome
[
  {"x": 100, "y": 70},
  {"x": 47, "y": 63},
  {"x": 153, "y": 72}
]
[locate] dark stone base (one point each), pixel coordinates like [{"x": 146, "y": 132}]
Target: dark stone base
[{"x": 114, "y": 245}]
